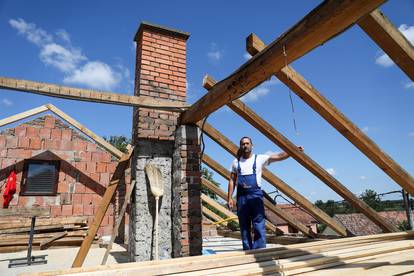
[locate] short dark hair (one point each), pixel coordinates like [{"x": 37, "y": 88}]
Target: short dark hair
[{"x": 246, "y": 137}]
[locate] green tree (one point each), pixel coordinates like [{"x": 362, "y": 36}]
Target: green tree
[
  {"x": 120, "y": 142},
  {"x": 207, "y": 174},
  {"x": 371, "y": 198}
]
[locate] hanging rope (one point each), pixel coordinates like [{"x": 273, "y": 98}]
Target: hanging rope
[{"x": 290, "y": 93}]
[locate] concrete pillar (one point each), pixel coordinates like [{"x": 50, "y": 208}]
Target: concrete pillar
[{"x": 161, "y": 73}]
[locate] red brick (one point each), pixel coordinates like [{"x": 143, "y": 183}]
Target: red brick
[
  {"x": 3, "y": 153},
  {"x": 66, "y": 145},
  {"x": 91, "y": 167},
  {"x": 94, "y": 177},
  {"x": 63, "y": 187},
  {"x": 104, "y": 179},
  {"x": 32, "y": 131},
  {"x": 88, "y": 210},
  {"x": 11, "y": 142},
  {"x": 35, "y": 143},
  {"x": 23, "y": 142},
  {"x": 2, "y": 141},
  {"x": 100, "y": 167},
  {"x": 77, "y": 198},
  {"x": 50, "y": 122},
  {"x": 81, "y": 166},
  {"x": 110, "y": 168},
  {"x": 80, "y": 145},
  {"x": 97, "y": 199},
  {"x": 85, "y": 156},
  {"x": 106, "y": 157},
  {"x": 91, "y": 147},
  {"x": 87, "y": 199},
  {"x": 52, "y": 144},
  {"x": 45, "y": 133},
  {"x": 67, "y": 134},
  {"x": 20, "y": 131},
  {"x": 56, "y": 210},
  {"x": 77, "y": 209},
  {"x": 79, "y": 188},
  {"x": 66, "y": 210},
  {"x": 96, "y": 156},
  {"x": 105, "y": 221},
  {"x": 56, "y": 134}
]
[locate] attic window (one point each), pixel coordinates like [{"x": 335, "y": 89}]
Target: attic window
[{"x": 40, "y": 177}]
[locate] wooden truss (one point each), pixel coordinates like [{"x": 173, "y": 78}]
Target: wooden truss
[{"x": 325, "y": 22}]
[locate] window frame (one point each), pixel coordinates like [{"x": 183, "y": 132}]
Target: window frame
[{"x": 24, "y": 184}]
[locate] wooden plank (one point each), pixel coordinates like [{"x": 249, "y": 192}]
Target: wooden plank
[
  {"x": 23, "y": 115},
  {"x": 248, "y": 114},
  {"x": 268, "y": 176},
  {"x": 65, "y": 92},
  {"x": 118, "y": 221},
  {"x": 339, "y": 121},
  {"x": 25, "y": 212},
  {"x": 228, "y": 257},
  {"x": 390, "y": 39},
  {"x": 99, "y": 140},
  {"x": 270, "y": 206},
  {"x": 45, "y": 244},
  {"x": 213, "y": 215},
  {"x": 109, "y": 193},
  {"x": 326, "y": 21}
]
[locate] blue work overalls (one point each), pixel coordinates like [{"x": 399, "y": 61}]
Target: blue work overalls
[{"x": 250, "y": 209}]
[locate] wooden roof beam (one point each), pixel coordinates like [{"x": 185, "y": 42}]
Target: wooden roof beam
[
  {"x": 333, "y": 116},
  {"x": 269, "y": 205},
  {"x": 264, "y": 127},
  {"x": 326, "y": 21},
  {"x": 71, "y": 93},
  {"x": 390, "y": 39}
]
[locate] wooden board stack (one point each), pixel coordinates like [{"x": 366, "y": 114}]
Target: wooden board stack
[
  {"x": 14, "y": 233},
  {"x": 366, "y": 255}
]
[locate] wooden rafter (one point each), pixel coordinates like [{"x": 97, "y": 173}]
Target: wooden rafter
[
  {"x": 106, "y": 199},
  {"x": 88, "y": 95},
  {"x": 339, "y": 121},
  {"x": 264, "y": 127},
  {"x": 390, "y": 39},
  {"x": 326, "y": 21},
  {"x": 49, "y": 107},
  {"x": 270, "y": 206}
]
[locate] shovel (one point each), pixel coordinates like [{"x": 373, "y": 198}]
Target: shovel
[{"x": 157, "y": 190}]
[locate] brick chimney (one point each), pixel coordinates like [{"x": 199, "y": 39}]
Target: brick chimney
[
  {"x": 174, "y": 149},
  {"x": 160, "y": 74}
]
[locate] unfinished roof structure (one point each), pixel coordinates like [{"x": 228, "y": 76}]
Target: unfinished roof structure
[{"x": 166, "y": 125}]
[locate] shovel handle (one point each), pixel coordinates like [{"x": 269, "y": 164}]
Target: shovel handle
[{"x": 156, "y": 228}]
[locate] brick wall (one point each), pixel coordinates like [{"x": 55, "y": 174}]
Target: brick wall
[{"x": 85, "y": 169}]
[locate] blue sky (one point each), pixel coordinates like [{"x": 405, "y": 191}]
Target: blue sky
[{"x": 89, "y": 44}]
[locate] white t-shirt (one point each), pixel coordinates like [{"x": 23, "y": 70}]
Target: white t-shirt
[{"x": 246, "y": 166}]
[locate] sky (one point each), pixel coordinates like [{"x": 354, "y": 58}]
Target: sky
[{"x": 89, "y": 44}]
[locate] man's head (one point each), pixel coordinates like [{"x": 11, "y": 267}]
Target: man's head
[{"x": 246, "y": 146}]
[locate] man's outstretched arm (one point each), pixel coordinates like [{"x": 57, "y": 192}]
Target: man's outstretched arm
[{"x": 281, "y": 156}]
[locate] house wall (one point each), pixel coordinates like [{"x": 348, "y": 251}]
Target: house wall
[{"x": 85, "y": 169}]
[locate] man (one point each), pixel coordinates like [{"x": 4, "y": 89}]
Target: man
[{"x": 246, "y": 173}]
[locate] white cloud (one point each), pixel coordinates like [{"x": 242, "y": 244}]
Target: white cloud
[
  {"x": 247, "y": 56},
  {"x": 365, "y": 129},
  {"x": 363, "y": 177},
  {"x": 94, "y": 74},
  {"x": 35, "y": 35},
  {"x": 260, "y": 91},
  {"x": 62, "y": 34},
  {"x": 7, "y": 102},
  {"x": 409, "y": 85},
  {"x": 65, "y": 60},
  {"x": 408, "y": 32},
  {"x": 215, "y": 54},
  {"x": 69, "y": 60},
  {"x": 269, "y": 152},
  {"x": 331, "y": 171}
]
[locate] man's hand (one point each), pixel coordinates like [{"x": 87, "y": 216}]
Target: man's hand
[
  {"x": 300, "y": 148},
  {"x": 230, "y": 204}
]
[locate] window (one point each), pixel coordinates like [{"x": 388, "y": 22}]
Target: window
[{"x": 40, "y": 177}]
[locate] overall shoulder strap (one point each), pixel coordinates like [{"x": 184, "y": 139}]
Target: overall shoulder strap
[{"x": 254, "y": 164}]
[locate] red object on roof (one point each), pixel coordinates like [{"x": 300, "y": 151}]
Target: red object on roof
[{"x": 9, "y": 190}]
